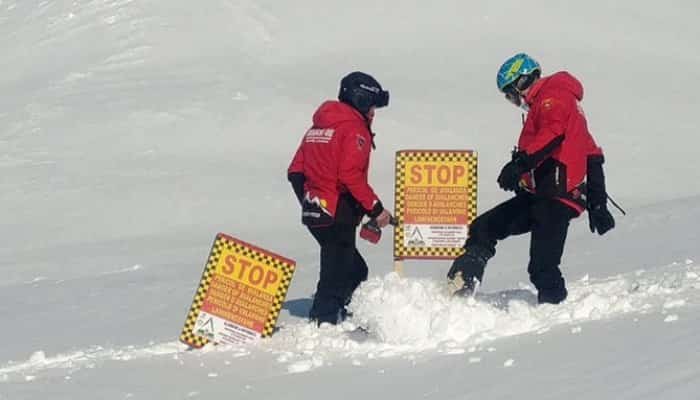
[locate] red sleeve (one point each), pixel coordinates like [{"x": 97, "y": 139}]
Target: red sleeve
[
  {"x": 297, "y": 164},
  {"x": 551, "y": 122},
  {"x": 353, "y": 165},
  {"x": 597, "y": 151}
]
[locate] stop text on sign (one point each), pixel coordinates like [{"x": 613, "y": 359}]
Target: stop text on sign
[
  {"x": 436, "y": 173},
  {"x": 243, "y": 269}
]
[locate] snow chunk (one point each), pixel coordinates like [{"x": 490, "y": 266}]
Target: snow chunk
[
  {"x": 674, "y": 303},
  {"x": 300, "y": 366},
  {"x": 38, "y": 357},
  {"x": 671, "y": 318},
  {"x": 305, "y": 365}
]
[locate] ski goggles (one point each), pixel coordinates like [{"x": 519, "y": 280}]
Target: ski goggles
[
  {"x": 380, "y": 97},
  {"x": 513, "y": 95},
  {"x": 513, "y": 91}
]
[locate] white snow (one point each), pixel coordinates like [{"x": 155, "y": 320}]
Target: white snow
[
  {"x": 132, "y": 132},
  {"x": 671, "y": 318}
]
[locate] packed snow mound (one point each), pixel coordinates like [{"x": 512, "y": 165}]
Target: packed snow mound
[
  {"x": 421, "y": 313},
  {"x": 402, "y": 316},
  {"x": 406, "y": 316}
]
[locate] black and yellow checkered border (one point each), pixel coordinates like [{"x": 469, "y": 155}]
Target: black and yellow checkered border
[
  {"x": 222, "y": 241},
  {"x": 404, "y": 156}
]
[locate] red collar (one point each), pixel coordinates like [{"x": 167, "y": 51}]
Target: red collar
[{"x": 530, "y": 98}]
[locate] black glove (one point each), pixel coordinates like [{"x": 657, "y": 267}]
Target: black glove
[
  {"x": 600, "y": 219},
  {"x": 376, "y": 210},
  {"x": 458, "y": 265},
  {"x": 510, "y": 174},
  {"x": 471, "y": 263},
  {"x": 467, "y": 270}
]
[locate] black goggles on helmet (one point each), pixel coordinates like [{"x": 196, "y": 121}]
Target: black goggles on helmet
[
  {"x": 513, "y": 95},
  {"x": 514, "y": 90},
  {"x": 380, "y": 98}
]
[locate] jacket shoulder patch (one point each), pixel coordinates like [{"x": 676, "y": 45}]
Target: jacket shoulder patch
[
  {"x": 361, "y": 142},
  {"x": 315, "y": 135},
  {"x": 547, "y": 103}
]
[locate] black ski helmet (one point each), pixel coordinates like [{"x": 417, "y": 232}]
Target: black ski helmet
[{"x": 362, "y": 92}]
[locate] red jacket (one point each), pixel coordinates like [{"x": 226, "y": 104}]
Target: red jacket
[
  {"x": 556, "y": 135},
  {"x": 334, "y": 158}
]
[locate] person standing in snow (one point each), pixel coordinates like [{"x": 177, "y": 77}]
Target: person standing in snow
[
  {"x": 329, "y": 176},
  {"x": 556, "y": 172}
]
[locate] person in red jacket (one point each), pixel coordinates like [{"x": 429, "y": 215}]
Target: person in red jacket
[
  {"x": 329, "y": 176},
  {"x": 556, "y": 173}
]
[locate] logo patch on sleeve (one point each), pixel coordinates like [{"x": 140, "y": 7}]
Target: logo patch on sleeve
[
  {"x": 360, "y": 142},
  {"x": 315, "y": 135},
  {"x": 547, "y": 103}
]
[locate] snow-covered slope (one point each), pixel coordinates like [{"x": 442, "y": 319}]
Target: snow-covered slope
[{"x": 131, "y": 132}]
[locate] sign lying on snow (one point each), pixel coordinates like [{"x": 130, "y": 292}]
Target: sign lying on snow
[
  {"x": 239, "y": 296},
  {"x": 435, "y": 193}
]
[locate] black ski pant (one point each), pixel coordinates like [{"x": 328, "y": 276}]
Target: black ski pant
[
  {"x": 342, "y": 271},
  {"x": 547, "y": 221}
]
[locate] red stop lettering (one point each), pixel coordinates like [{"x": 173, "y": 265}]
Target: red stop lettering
[
  {"x": 459, "y": 172},
  {"x": 247, "y": 272},
  {"x": 229, "y": 266},
  {"x": 270, "y": 278},
  {"x": 244, "y": 266},
  {"x": 256, "y": 275},
  {"x": 431, "y": 173}
]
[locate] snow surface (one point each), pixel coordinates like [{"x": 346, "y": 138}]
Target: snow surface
[{"x": 131, "y": 132}]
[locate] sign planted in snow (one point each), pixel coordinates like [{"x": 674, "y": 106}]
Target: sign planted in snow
[
  {"x": 239, "y": 296},
  {"x": 435, "y": 196}
]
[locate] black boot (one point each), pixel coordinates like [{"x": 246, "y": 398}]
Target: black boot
[
  {"x": 468, "y": 269},
  {"x": 334, "y": 318},
  {"x": 326, "y": 309},
  {"x": 552, "y": 296}
]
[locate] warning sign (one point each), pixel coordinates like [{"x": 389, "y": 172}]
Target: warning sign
[
  {"x": 239, "y": 296},
  {"x": 435, "y": 196}
]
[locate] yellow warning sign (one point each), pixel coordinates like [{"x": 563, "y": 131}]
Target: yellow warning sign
[
  {"x": 435, "y": 201},
  {"x": 239, "y": 296}
]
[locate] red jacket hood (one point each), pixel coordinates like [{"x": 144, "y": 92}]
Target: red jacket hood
[
  {"x": 558, "y": 81},
  {"x": 332, "y": 112}
]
